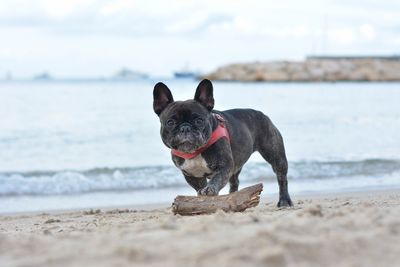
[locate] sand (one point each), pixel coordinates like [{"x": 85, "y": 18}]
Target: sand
[{"x": 353, "y": 229}]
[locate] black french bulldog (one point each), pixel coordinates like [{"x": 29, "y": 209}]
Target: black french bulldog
[{"x": 202, "y": 148}]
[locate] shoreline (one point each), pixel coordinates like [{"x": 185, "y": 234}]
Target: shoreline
[
  {"x": 340, "y": 229},
  {"x": 265, "y": 198}
]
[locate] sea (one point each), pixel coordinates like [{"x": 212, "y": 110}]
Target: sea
[{"x": 94, "y": 144}]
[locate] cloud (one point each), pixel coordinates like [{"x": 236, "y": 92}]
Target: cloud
[{"x": 267, "y": 19}]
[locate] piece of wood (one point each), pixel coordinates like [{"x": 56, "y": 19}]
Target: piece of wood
[{"x": 238, "y": 201}]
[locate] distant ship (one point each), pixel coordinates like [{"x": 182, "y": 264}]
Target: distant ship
[
  {"x": 43, "y": 77},
  {"x": 186, "y": 73}
]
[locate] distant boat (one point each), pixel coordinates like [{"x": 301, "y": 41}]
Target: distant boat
[
  {"x": 43, "y": 77},
  {"x": 186, "y": 73}
]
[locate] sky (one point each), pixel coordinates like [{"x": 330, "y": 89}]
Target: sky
[{"x": 82, "y": 38}]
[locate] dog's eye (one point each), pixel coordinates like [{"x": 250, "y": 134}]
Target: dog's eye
[
  {"x": 170, "y": 123},
  {"x": 199, "y": 122}
]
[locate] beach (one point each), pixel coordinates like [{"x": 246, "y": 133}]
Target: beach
[{"x": 335, "y": 229}]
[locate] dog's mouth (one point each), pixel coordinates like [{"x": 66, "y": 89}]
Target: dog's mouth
[{"x": 188, "y": 145}]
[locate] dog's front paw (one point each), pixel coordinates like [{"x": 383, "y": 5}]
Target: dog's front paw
[
  {"x": 285, "y": 202},
  {"x": 208, "y": 191}
]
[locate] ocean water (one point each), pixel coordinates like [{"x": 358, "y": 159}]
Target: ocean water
[{"x": 67, "y": 145}]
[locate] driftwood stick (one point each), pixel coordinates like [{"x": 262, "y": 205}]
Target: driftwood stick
[{"x": 238, "y": 201}]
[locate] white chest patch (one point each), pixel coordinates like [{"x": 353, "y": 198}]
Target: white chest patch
[{"x": 196, "y": 167}]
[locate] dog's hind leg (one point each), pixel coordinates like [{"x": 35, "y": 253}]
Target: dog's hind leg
[
  {"x": 280, "y": 167},
  {"x": 273, "y": 151}
]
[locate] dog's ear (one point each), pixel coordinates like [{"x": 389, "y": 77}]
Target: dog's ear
[
  {"x": 161, "y": 97},
  {"x": 204, "y": 94}
]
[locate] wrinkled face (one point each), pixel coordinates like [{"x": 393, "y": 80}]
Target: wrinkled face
[{"x": 186, "y": 125}]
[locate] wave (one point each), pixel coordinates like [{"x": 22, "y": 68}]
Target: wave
[{"x": 154, "y": 177}]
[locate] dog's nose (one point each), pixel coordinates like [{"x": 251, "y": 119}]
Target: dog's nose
[{"x": 184, "y": 129}]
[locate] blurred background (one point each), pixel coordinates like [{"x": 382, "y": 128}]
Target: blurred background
[
  {"x": 94, "y": 38},
  {"x": 77, "y": 128}
]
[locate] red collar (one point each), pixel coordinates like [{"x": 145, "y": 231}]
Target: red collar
[{"x": 217, "y": 134}]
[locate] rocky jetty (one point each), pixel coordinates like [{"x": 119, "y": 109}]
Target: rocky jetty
[{"x": 314, "y": 69}]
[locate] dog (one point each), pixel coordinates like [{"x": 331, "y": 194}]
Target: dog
[{"x": 210, "y": 147}]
